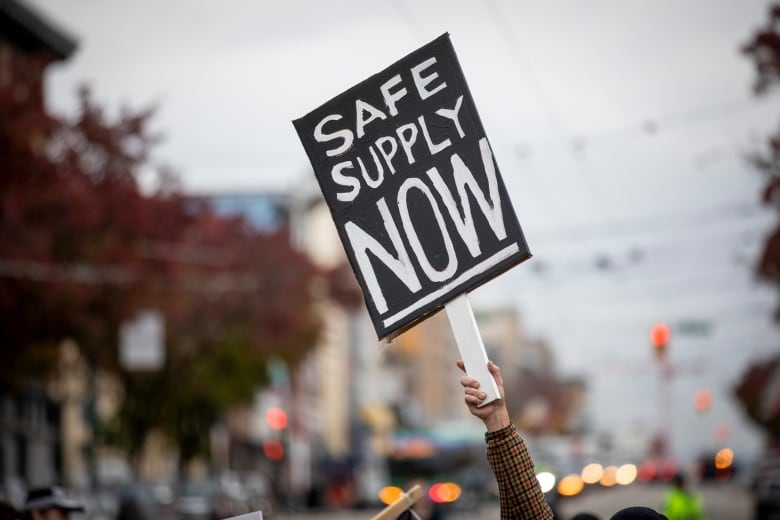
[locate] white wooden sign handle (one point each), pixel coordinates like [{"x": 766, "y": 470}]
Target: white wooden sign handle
[{"x": 472, "y": 350}]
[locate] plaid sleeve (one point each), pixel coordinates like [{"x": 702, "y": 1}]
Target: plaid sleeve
[{"x": 519, "y": 492}]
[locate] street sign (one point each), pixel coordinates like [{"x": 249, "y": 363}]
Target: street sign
[{"x": 142, "y": 342}]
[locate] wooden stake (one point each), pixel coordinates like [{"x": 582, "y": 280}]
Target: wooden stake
[{"x": 405, "y": 501}]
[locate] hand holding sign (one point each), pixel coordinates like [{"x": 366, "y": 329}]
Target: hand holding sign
[{"x": 416, "y": 196}]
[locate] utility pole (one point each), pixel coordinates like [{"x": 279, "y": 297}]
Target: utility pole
[{"x": 660, "y": 335}]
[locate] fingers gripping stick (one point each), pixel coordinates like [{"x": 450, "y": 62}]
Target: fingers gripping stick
[{"x": 470, "y": 346}]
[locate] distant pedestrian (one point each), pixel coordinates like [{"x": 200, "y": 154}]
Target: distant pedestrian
[
  {"x": 50, "y": 503},
  {"x": 681, "y": 503}
]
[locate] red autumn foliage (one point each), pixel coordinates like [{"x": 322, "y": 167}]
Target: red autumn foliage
[
  {"x": 757, "y": 389},
  {"x": 83, "y": 248}
]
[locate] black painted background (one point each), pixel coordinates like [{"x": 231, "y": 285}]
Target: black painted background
[{"x": 363, "y": 209}]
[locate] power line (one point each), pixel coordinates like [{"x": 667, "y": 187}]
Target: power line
[
  {"x": 654, "y": 126},
  {"x": 649, "y": 224}
]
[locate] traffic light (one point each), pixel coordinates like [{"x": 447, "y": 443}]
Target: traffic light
[
  {"x": 273, "y": 449},
  {"x": 659, "y": 338},
  {"x": 276, "y": 418}
]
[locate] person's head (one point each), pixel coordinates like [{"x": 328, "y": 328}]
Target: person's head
[
  {"x": 8, "y": 512},
  {"x": 638, "y": 513},
  {"x": 585, "y": 516},
  {"x": 679, "y": 480},
  {"x": 49, "y": 503}
]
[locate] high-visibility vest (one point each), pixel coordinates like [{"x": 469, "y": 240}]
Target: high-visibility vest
[{"x": 680, "y": 505}]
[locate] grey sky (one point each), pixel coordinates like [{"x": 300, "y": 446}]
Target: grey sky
[{"x": 619, "y": 128}]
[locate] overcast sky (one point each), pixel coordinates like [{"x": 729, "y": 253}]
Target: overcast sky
[{"x": 619, "y": 128}]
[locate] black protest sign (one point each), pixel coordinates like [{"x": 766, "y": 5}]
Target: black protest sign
[{"x": 412, "y": 185}]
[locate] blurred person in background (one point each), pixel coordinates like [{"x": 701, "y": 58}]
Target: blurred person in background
[
  {"x": 50, "y": 503},
  {"x": 681, "y": 503}
]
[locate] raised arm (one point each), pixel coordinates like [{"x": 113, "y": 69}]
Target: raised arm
[{"x": 519, "y": 492}]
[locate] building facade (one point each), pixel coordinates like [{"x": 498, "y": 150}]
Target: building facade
[{"x": 30, "y": 440}]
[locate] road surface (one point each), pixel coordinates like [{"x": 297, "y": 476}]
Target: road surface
[{"x": 726, "y": 501}]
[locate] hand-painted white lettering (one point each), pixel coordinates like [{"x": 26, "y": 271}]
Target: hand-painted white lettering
[
  {"x": 361, "y": 110},
  {"x": 343, "y": 134},
  {"x": 453, "y": 114},
  {"x": 380, "y": 171},
  {"x": 463, "y": 277},
  {"x": 465, "y": 180},
  {"x": 422, "y": 82},
  {"x": 387, "y": 154},
  {"x": 345, "y": 180},
  {"x": 433, "y": 274},
  {"x": 401, "y": 266},
  {"x": 468, "y": 191},
  {"x": 407, "y": 134},
  {"x": 392, "y": 97},
  {"x": 434, "y": 148}
]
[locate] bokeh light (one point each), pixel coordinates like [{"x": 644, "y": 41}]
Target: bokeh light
[
  {"x": 570, "y": 485},
  {"x": 659, "y": 335},
  {"x": 546, "y": 481},
  {"x": 276, "y": 418},
  {"x": 702, "y": 400},
  {"x": 724, "y": 458},
  {"x": 444, "y": 492},
  {"x": 647, "y": 471},
  {"x": 389, "y": 494},
  {"x": 609, "y": 478},
  {"x": 722, "y": 431},
  {"x": 626, "y": 474},
  {"x": 592, "y": 473},
  {"x": 273, "y": 449}
]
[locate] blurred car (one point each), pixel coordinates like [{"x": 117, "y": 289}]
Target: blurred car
[
  {"x": 259, "y": 494},
  {"x": 222, "y": 497},
  {"x": 708, "y": 469},
  {"x": 197, "y": 500},
  {"x": 768, "y": 499},
  {"x": 766, "y": 488},
  {"x": 145, "y": 500}
]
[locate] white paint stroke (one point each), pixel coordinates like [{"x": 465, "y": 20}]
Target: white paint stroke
[{"x": 464, "y": 277}]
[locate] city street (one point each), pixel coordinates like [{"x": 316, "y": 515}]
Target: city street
[{"x": 728, "y": 501}]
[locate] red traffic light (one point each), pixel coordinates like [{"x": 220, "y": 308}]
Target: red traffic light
[
  {"x": 276, "y": 418},
  {"x": 273, "y": 449},
  {"x": 660, "y": 334},
  {"x": 659, "y": 337}
]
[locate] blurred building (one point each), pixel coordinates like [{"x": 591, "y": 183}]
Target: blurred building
[
  {"x": 30, "y": 448},
  {"x": 28, "y": 44}
]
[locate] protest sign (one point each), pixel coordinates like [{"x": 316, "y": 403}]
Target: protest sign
[{"x": 414, "y": 190}]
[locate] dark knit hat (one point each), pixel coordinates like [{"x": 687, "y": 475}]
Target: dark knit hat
[
  {"x": 585, "y": 516},
  {"x": 638, "y": 513}
]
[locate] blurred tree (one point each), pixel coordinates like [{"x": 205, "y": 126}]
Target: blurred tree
[
  {"x": 69, "y": 211},
  {"x": 764, "y": 50},
  {"x": 240, "y": 299},
  {"x": 759, "y": 393},
  {"x": 83, "y": 248},
  {"x": 759, "y": 387}
]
